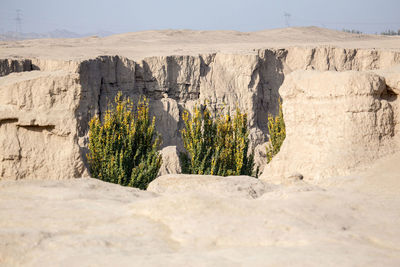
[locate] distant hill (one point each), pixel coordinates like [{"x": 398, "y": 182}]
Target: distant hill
[{"x": 59, "y": 33}]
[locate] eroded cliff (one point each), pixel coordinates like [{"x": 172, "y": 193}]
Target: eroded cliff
[{"x": 334, "y": 107}]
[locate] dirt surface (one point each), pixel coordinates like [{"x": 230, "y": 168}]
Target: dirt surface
[{"x": 138, "y": 45}]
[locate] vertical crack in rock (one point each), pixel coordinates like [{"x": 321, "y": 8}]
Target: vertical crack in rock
[
  {"x": 271, "y": 73},
  {"x": 99, "y": 113},
  {"x": 253, "y": 81}
]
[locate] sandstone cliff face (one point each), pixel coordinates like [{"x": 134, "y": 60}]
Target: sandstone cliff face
[{"x": 45, "y": 107}]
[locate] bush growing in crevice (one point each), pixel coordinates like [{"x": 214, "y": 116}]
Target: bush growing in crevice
[
  {"x": 124, "y": 147},
  {"x": 277, "y": 133},
  {"x": 217, "y": 146}
]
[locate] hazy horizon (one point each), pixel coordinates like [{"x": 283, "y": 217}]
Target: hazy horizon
[{"x": 252, "y": 15}]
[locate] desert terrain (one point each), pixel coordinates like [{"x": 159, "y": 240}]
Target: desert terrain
[
  {"x": 342, "y": 113},
  {"x": 139, "y": 45}
]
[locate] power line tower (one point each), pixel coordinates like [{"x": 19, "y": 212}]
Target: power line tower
[
  {"x": 18, "y": 21},
  {"x": 287, "y": 19}
]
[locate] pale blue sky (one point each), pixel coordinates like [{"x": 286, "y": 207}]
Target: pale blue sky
[{"x": 84, "y": 16}]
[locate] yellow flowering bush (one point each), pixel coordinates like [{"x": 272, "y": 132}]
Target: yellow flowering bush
[
  {"x": 217, "y": 146},
  {"x": 124, "y": 147},
  {"x": 277, "y": 133}
]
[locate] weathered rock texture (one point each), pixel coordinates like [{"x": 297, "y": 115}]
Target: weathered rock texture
[
  {"x": 170, "y": 158},
  {"x": 46, "y": 104},
  {"x": 14, "y": 65},
  {"x": 231, "y": 186},
  {"x": 341, "y": 109},
  {"x": 335, "y": 122},
  {"x": 87, "y": 222},
  {"x": 38, "y": 133}
]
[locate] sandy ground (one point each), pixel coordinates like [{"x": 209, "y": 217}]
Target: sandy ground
[
  {"x": 138, "y": 45},
  {"x": 347, "y": 221}
]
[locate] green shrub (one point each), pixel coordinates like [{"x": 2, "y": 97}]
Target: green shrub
[
  {"x": 123, "y": 148},
  {"x": 277, "y": 133},
  {"x": 217, "y": 146}
]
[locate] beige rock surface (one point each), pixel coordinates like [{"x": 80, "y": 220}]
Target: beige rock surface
[
  {"x": 340, "y": 94},
  {"x": 170, "y": 161},
  {"x": 231, "y": 186},
  {"x": 38, "y": 128},
  {"x": 49, "y": 89},
  {"x": 353, "y": 221},
  {"x": 335, "y": 122}
]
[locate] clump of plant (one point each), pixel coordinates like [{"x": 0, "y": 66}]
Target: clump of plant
[
  {"x": 277, "y": 133},
  {"x": 217, "y": 146},
  {"x": 124, "y": 146}
]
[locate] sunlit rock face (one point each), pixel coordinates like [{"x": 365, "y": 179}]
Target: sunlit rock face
[
  {"x": 329, "y": 98},
  {"x": 335, "y": 122}
]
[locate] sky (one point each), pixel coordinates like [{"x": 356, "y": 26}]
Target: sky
[{"x": 118, "y": 16}]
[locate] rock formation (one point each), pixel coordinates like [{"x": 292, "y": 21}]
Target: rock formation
[
  {"x": 46, "y": 103},
  {"x": 170, "y": 158},
  {"x": 231, "y": 186},
  {"x": 335, "y": 122},
  {"x": 341, "y": 109},
  {"x": 204, "y": 221}
]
